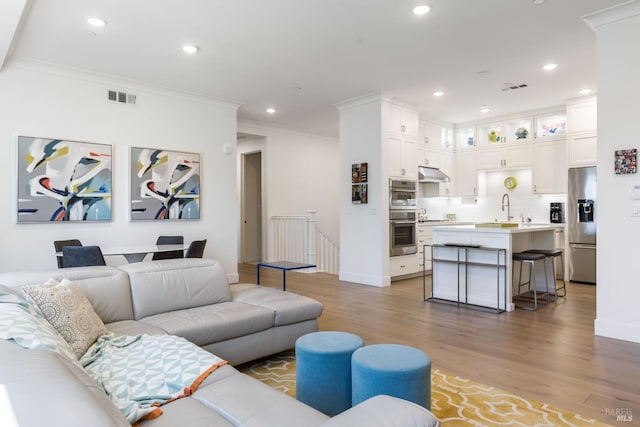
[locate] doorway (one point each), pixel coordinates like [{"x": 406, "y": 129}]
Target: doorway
[{"x": 251, "y": 210}]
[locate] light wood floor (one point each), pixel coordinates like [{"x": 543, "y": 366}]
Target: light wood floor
[{"x": 550, "y": 355}]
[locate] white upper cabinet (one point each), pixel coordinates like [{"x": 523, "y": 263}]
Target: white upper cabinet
[
  {"x": 427, "y": 156},
  {"x": 550, "y": 167},
  {"x": 582, "y": 115},
  {"x": 582, "y": 140},
  {"x": 402, "y": 120},
  {"x": 435, "y": 135},
  {"x": 400, "y": 153},
  {"x": 465, "y": 182},
  {"x": 505, "y": 157},
  {"x": 446, "y": 165},
  {"x": 583, "y": 149}
]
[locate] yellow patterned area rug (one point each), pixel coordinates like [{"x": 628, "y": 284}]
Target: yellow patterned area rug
[{"x": 454, "y": 400}]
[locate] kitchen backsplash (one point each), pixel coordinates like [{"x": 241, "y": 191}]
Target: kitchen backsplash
[{"x": 487, "y": 206}]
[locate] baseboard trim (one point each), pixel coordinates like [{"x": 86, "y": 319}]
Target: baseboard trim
[{"x": 618, "y": 330}]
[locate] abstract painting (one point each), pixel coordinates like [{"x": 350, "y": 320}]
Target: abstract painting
[
  {"x": 60, "y": 180},
  {"x": 165, "y": 185}
]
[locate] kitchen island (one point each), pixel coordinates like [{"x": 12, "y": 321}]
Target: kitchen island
[{"x": 471, "y": 264}]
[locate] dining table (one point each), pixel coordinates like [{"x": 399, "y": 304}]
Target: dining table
[{"x": 137, "y": 253}]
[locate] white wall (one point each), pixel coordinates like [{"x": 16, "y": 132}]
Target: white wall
[
  {"x": 618, "y": 62},
  {"x": 49, "y": 102},
  {"x": 300, "y": 172},
  {"x": 364, "y": 233}
]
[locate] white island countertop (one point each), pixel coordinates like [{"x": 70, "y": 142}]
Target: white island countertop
[
  {"x": 521, "y": 228},
  {"x": 483, "y": 276}
]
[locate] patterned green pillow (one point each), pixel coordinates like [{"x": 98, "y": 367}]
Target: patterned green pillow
[{"x": 21, "y": 323}]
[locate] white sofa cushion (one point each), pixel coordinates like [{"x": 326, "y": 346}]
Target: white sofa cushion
[
  {"x": 175, "y": 284},
  {"x": 287, "y": 306},
  {"x": 43, "y": 389},
  {"x": 107, "y": 288},
  {"x": 213, "y": 323}
]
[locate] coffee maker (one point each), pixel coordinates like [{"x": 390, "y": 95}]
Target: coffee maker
[{"x": 556, "y": 212}]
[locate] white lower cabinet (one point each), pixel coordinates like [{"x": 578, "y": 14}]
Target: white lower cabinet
[
  {"x": 425, "y": 237},
  {"x": 405, "y": 265},
  {"x": 583, "y": 149},
  {"x": 550, "y": 167}
]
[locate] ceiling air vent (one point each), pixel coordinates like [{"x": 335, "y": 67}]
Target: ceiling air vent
[
  {"x": 514, "y": 87},
  {"x": 121, "y": 97}
]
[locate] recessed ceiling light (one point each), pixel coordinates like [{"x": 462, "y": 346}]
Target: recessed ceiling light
[
  {"x": 549, "y": 67},
  {"x": 190, "y": 48},
  {"x": 421, "y": 9},
  {"x": 585, "y": 91},
  {"x": 484, "y": 109},
  {"x": 96, "y": 22},
  {"x": 270, "y": 110},
  {"x": 438, "y": 93},
  {"x": 537, "y": 1}
]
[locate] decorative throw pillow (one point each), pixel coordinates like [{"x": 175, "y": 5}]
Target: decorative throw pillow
[
  {"x": 70, "y": 313},
  {"x": 22, "y": 324}
]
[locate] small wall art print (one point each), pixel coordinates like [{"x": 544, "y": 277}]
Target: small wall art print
[
  {"x": 61, "y": 180},
  {"x": 626, "y": 161},
  {"x": 165, "y": 185},
  {"x": 359, "y": 183}
]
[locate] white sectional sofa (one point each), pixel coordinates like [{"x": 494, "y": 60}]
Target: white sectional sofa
[{"x": 190, "y": 298}]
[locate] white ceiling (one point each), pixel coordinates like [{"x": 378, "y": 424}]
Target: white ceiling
[{"x": 304, "y": 56}]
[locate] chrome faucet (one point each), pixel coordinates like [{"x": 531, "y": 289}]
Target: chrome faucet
[{"x": 508, "y": 205}]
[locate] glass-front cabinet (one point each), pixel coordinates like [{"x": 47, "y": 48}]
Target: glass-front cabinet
[
  {"x": 489, "y": 134},
  {"x": 465, "y": 137},
  {"x": 519, "y": 130},
  {"x": 446, "y": 137},
  {"x": 515, "y": 129},
  {"x": 551, "y": 125}
]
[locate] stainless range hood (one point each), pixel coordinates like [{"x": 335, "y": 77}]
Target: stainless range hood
[{"x": 427, "y": 174}]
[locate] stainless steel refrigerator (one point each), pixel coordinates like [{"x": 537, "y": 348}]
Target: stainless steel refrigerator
[{"x": 581, "y": 223}]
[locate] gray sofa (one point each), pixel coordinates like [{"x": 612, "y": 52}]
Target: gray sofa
[{"x": 190, "y": 298}]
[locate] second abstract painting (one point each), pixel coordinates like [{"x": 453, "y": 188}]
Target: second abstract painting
[{"x": 165, "y": 185}]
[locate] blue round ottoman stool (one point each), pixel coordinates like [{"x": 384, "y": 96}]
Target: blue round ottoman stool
[
  {"x": 323, "y": 370},
  {"x": 392, "y": 369}
]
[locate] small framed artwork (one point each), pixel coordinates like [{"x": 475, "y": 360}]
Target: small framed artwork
[
  {"x": 63, "y": 181},
  {"x": 626, "y": 161},
  {"x": 165, "y": 185},
  {"x": 359, "y": 193},
  {"x": 359, "y": 183}
]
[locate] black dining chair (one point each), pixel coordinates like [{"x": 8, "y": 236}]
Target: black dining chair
[
  {"x": 59, "y": 244},
  {"x": 168, "y": 240},
  {"x": 196, "y": 249},
  {"x": 82, "y": 256}
]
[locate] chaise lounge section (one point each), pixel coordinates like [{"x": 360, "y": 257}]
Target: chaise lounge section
[{"x": 190, "y": 298}]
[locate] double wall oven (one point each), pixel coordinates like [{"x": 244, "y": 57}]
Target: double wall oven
[{"x": 402, "y": 217}]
